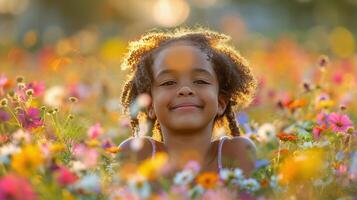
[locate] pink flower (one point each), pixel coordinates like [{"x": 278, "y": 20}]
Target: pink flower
[
  {"x": 193, "y": 165},
  {"x": 88, "y": 156},
  {"x": 38, "y": 88},
  {"x": 95, "y": 131},
  {"x": 14, "y": 187},
  {"x": 339, "y": 123},
  {"x": 30, "y": 119},
  {"x": 66, "y": 177}
]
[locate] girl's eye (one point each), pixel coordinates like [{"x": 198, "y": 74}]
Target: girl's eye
[
  {"x": 201, "y": 82},
  {"x": 168, "y": 83}
]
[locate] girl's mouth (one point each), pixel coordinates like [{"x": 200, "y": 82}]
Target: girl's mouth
[{"x": 186, "y": 107}]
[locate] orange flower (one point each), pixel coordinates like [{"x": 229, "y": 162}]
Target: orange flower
[
  {"x": 113, "y": 149},
  {"x": 297, "y": 103},
  {"x": 207, "y": 179},
  {"x": 286, "y": 137}
]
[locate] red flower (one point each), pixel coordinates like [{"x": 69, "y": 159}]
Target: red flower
[{"x": 286, "y": 137}]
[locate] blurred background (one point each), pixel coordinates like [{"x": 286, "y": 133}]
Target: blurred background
[{"x": 74, "y": 48}]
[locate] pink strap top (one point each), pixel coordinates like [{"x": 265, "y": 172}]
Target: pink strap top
[{"x": 220, "y": 145}]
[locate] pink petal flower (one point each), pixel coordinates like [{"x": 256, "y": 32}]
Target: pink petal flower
[
  {"x": 95, "y": 131},
  {"x": 66, "y": 177},
  {"x": 17, "y": 188},
  {"x": 340, "y": 123}
]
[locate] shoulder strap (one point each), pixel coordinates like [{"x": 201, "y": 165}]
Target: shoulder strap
[
  {"x": 153, "y": 146},
  {"x": 220, "y": 151}
]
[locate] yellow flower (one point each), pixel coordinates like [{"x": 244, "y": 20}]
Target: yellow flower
[
  {"x": 151, "y": 167},
  {"x": 302, "y": 166},
  {"x": 27, "y": 160},
  {"x": 57, "y": 147},
  {"x": 207, "y": 179},
  {"x": 324, "y": 104},
  {"x": 93, "y": 143}
]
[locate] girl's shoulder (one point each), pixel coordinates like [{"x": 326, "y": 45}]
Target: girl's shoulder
[
  {"x": 140, "y": 147},
  {"x": 239, "y": 152}
]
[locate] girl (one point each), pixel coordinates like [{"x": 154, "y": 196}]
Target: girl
[{"x": 196, "y": 81}]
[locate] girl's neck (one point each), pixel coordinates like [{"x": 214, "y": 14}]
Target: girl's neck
[{"x": 182, "y": 147}]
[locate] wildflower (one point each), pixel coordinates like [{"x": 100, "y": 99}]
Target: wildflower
[
  {"x": 4, "y": 116},
  {"x": 193, "y": 165},
  {"x": 54, "y": 96},
  {"x": 266, "y": 132},
  {"x": 184, "y": 177},
  {"x": 90, "y": 183},
  {"x": 323, "y": 61},
  {"x": 20, "y": 79},
  {"x": 57, "y": 147},
  {"x": 324, "y": 104},
  {"x": 339, "y": 123},
  {"x": 27, "y": 160},
  {"x": 88, "y": 156},
  {"x": 298, "y": 103},
  {"x": 250, "y": 184},
  {"x": 139, "y": 185},
  {"x": 29, "y": 92},
  {"x": 65, "y": 177},
  {"x": 151, "y": 167},
  {"x": 113, "y": 149},
  {"x": 73, "y": 99},
  {"x": 301, "y": 166},
  {"x": 6, "y": 151},
  {"x": 322, "y": 118},
  {"x": 16, "y": 188},
  {"x": 95, "y": 130},
  {"x": 317, "y": 130},
  {"x": 37, "y": 88},
  {"x": 286, "y": 137},
  {"x": 3, "y": 103},
  {"x": 207, "y": 180},
  {"x": 30, "y": 118}
]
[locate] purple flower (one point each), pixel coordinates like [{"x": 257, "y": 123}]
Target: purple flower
[
  {"x": 30, "y": 119},
  {"x": 322, "y": 118},
  {"x": 4, "y": 116},
  {"x": 339, "y": 123}
]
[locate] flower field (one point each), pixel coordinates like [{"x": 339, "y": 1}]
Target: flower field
[{"x": 61, "y": 123}]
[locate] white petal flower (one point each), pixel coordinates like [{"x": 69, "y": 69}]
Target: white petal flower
[
  {"x": 184, "y": 177},
  {"x": 250, "y": 184},
  {"x": 266, "y": 132}
]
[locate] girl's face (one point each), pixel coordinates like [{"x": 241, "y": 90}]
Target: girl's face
[{"x": 185, "y": 89}]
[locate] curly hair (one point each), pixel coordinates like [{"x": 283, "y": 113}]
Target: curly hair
[{"x": 235, "y": 78}]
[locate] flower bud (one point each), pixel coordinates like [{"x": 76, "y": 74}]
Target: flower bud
[
  {"x": 3, "y": 103},
  {"x": 73, "y": 99},
  {"x": 20, "y": 79},
  {"x": 29, "y": 92}
]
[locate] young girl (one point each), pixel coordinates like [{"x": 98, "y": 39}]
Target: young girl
[{"x": 196, "y": 81}]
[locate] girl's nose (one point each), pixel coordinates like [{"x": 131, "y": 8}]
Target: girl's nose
[{"x": 184, "y": 91}]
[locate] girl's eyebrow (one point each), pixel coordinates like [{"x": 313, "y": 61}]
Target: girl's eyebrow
[{"x": 195, "y": 70}]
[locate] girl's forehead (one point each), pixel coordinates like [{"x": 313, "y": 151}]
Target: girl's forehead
[{"x": 181, "y": 57}]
